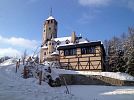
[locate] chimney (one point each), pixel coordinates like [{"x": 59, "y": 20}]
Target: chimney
[{"x": 73, "y": 37}]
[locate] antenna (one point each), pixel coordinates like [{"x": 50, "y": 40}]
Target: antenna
[{"x": 51, "y": 12}]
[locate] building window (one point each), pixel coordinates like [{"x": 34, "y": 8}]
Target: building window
[
  {"x": 49, "y": 28},
  {"x": 84, "y": 50},
  {"x": 88, "y": 50},
  {"x": 92, "y": 50},
  {"x": 44, "y": 30},
  {"x": 70, "y": 52},
  {"x": 44, "y": 53}
]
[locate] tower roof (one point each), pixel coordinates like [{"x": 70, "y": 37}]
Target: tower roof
[{"x": 50, "y": 18}]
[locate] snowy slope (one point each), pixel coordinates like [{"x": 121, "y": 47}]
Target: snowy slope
[
  {"x": 8, "y": 62},
  {"x": 14, "y": 87}
]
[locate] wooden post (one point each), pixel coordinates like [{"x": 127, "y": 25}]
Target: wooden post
[
  {"x": 40, "y": 77},
  {"x": 89, "y": 62},
  {"x": 78, "y": 63},
  {"x": 68, "y": 63},
  {"x": 17, "y": 63},
  {"x": 25, "y": 72},
  {"x": 66, "y": 85}
]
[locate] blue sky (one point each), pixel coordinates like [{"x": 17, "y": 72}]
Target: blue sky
[{"x": 21, "y": 21}]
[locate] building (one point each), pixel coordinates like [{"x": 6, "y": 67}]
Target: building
[{"x": 74, "y": 52}]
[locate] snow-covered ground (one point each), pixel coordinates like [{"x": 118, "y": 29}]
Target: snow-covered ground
[
  {"x": 116, "y": 75},
  {"x": 9, "y": 62},
  {"x": 14, "y": 87},
  {"x": 92, "y": 92}
]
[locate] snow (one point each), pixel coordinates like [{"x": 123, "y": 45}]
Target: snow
[
  {"x": 50, "y": 18},
  {"x": 55, "y": 53},
  {"x": 14, "y": 87},
  {"x": 116, "y": 75},
  {"x": 8, "y": 62},
  {"x": 62, "y": 39},
  {"x": 92, "y": 92}
]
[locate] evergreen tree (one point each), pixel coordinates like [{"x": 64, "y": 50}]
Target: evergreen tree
[{"x": 130, "y": 64}]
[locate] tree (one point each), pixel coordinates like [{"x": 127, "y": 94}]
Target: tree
[
  {"x": 24, "y": 57},
  {"x": 113, "y": 48},
  {"x": 119, "y": 51},
  {"x": 130, "y": 64}
]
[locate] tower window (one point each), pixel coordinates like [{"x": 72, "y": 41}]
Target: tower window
[
  {"x": 48, "y": 21},
  {"x": 51, "y": 21},
  {"x": 44, "y": 30},
  {"x": 49, "y": 28}
]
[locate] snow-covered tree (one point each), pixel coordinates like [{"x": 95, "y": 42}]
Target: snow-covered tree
[
  {"x": 119, "y": 51},
  {"x": 130, "y": 64}
]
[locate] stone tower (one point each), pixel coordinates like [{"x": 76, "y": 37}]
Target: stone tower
[
  {"x": 49, "y": 32},
  {"x": 49, "y": 29}
]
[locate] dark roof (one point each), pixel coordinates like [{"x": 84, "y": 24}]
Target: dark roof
[{"x": 98, "y": 43}]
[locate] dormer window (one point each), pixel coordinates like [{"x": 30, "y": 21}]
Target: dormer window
[
  {"x": 77, "y": 41},
  {"x": 58, "y": 42},
  {"x": 67, "y": 41}
]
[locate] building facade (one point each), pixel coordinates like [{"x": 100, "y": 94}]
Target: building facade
[{"x": 73, "y": 52}]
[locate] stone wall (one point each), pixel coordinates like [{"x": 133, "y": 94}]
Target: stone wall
[{"x": 75, "y": 79}]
